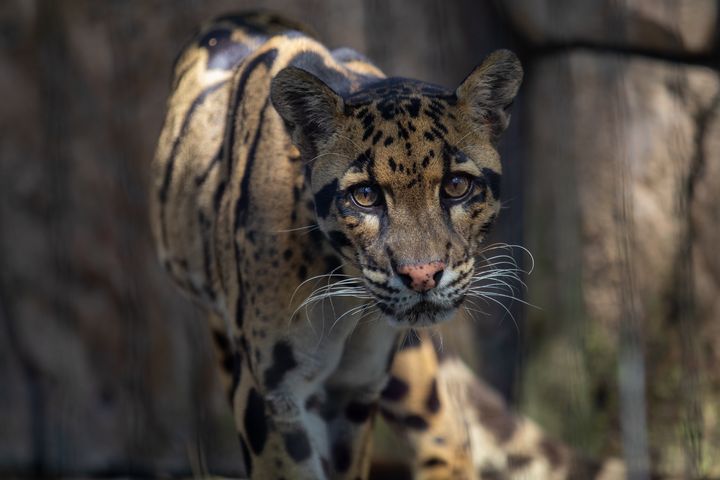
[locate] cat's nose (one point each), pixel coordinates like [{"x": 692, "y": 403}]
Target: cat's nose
[{"x": 421, "y": 277}]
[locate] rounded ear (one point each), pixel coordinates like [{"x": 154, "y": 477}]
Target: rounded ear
[
  {"x": 488, "y": 92},
  {"x": 309, "y": 107}
]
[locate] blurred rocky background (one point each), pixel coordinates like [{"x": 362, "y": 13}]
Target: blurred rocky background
[{"x": 612, "y": 180}]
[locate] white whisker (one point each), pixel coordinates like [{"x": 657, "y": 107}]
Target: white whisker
[
  {"x": 331, "y": 274},
  {"x": 306, "y": 228},
  {"x": 325, "y": 154},
  {"x": 349, "y": 140}
]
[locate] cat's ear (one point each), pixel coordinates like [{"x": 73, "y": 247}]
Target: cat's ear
[
  {"x": 311, "y": 109},
  {"x": 486, "y": 95}
]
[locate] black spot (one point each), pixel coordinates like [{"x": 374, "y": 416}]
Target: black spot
[
  {"x": 402, "y": 131},
  {"x": 287, "y": 254},
  {"x": 283, "y": 362},
  {"x": 377, "y": 137},
  {"x": 433, "y": 462},
  {"x": 368, "y": 120},
  {"x": 433, "y": 401},
  {"x": 387, "y": 109},
  {"x": 255, "y": 422},
  {"x": 433, "y": 115},
  {"x": 416, "y": 422},
  {"x": 358, "y": 412},
  {"x": 426, "y": 161},
  {"x": 247, "y": 459},
  {"x": 392, "y": 164},
  {"x": 324, "y": 198},
  {"x": 297, "y": 445},
  {"x": 429, "y": 136},
  {"x": 368, "y": 125},
  {"x": 395, "y": 389},
  {"x": 339, "y": 239},
  {"x": 362, "y": 160},
  {"x": 388, "y": 141},
  {"x": 341, "y": 457},
  {"x": 413, "y": 107},
  {"x": 368, "y": 131},
  {"x": 493, "y": 180}
]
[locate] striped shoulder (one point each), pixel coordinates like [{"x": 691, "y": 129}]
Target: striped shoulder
[{"x": 224, "y": 42}]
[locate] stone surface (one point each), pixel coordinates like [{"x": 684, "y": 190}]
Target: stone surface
[
  {"x": 688, "y": 27},
  {"x": 620, "y": 188}
]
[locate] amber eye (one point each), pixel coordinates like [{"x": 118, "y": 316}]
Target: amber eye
[
  {"x": 366, "y": 196},
  {"x": 456, "y": 186}
]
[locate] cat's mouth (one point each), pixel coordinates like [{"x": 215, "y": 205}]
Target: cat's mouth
[
  {"x": 424, "y": 313},
  {"x": 406, "y": 306}
]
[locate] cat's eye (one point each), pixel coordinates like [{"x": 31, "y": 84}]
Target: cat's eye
[
  {"x": 456, "y": 186},
  {"x": 366, "y": 196}
]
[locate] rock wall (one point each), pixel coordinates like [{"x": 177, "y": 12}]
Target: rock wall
[{"x": 623, "y": 105}]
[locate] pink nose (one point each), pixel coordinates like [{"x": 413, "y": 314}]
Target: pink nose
[{"x": 421, "y": 277}]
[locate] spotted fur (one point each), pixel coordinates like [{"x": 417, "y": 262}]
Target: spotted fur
[
  {"x": 458, "y": 428},
  {"x": 268, "y": 141}
]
